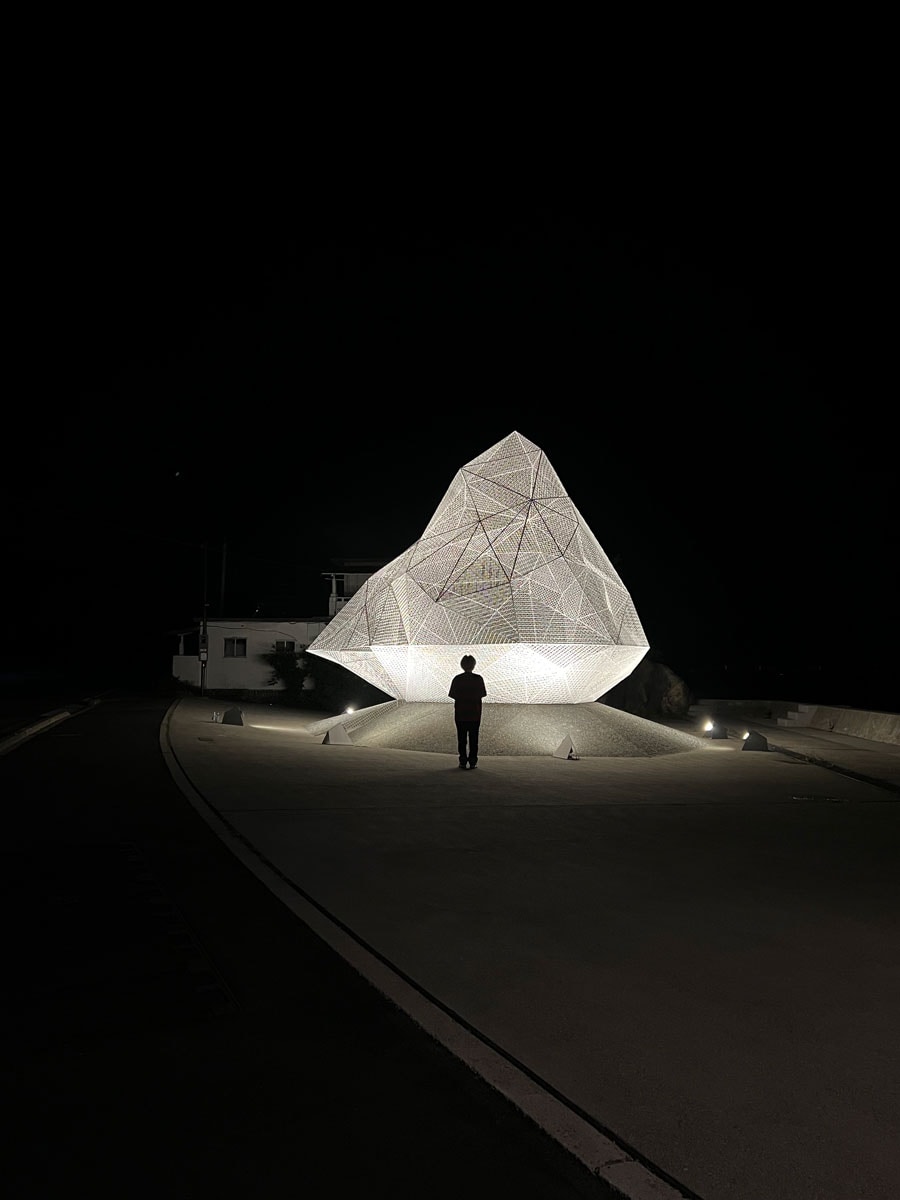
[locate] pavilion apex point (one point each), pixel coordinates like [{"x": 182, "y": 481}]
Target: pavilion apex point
[{"x": 507, "y": 570}]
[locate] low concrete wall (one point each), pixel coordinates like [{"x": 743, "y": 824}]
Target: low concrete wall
[
  {"x": 763, "y": 710},
  {"x": 855, "y": 722}
]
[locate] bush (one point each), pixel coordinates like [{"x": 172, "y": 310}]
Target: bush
[
  {"x": 317, "y": 683},
  {"x": 651, "y": 690},
  {"x": 334, "y": 688}
]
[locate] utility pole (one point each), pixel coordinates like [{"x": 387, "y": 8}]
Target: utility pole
[{"x": 204, "y": 638}]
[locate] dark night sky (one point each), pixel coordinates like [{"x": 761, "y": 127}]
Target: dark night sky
[{"x": 702, "y": 367}]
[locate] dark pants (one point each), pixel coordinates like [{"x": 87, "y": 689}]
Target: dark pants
[{"x": 464, "y": 730}]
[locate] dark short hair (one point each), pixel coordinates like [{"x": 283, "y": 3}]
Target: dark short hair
[{"x": 467, "y": 662}]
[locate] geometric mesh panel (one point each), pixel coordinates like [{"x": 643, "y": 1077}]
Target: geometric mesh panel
[{"x": 506, "y": 570}]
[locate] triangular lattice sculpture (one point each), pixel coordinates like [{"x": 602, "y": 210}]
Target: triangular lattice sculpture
[{"x": 506, "y": 570}]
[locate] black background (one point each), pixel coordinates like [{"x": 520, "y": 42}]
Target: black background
[{"x": 296, "y": 362}]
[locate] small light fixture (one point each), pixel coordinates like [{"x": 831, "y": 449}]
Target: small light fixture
[
  {"x": 348, "y": 710},
  {"x": 713, "y": 729},
  {"x": 754, "y": 741}
]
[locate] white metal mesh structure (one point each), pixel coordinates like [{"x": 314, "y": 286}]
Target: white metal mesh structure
[{"x": 506, "y": 570}]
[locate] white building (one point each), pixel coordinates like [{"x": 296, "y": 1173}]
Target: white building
[
  {"x": 234, "y": 652},
  {"x": 233, "y": 655},
  {"x": 346, "y": 579}
]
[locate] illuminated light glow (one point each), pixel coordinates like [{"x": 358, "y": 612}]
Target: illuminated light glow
[
  {"x": 507, "y": 570},
  {"x": 708, "y": 726},
  {"x": 348, "y": 710},
  {"x": 746, "y": 735}
]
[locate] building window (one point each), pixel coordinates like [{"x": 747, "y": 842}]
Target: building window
[
  {"x": 235, "y": 647},
  {"x": 284, "y": 647}
]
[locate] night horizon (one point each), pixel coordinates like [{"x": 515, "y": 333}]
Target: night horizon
[{"x": 692, "y": 382}]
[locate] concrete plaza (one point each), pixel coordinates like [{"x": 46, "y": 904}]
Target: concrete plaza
[{"x": 683, "y": 966}]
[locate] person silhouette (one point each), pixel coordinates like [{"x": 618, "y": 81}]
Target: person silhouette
[{"x": 466, "y": 691}]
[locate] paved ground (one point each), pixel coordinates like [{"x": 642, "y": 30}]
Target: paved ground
[
  {"x": 683, "y": 967},
  {"x": 170, "y": 1028}
]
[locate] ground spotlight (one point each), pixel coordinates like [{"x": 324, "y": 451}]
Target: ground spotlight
[
  {"x": 754, "y": 741},
  {"x": 348, "y": 710},
  {"x": 713, "y": 729}
]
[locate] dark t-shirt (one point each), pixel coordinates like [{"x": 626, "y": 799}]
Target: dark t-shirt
[{"x": 467, "y": 690}]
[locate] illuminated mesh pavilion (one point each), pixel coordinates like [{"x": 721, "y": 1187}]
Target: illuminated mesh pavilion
[{"x": 506, "y": 570}]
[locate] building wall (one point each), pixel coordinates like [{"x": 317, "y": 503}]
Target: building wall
[
  {"x": 344, "y": 585},
  {"x": 186, "y": 668},
  {"x": 248, "y": 672}
]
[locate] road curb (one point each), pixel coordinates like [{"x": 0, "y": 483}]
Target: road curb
[
  {"x": 817, "y": 761},
  {"x": 14, "y": 740}
]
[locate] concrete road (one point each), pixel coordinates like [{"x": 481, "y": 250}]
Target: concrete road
[
  {"x": 696, "y": 953},
  {"x": 171, "y": 1029}
]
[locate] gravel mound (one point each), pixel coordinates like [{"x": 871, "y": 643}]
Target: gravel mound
[{"x": 596, "y": 730}]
